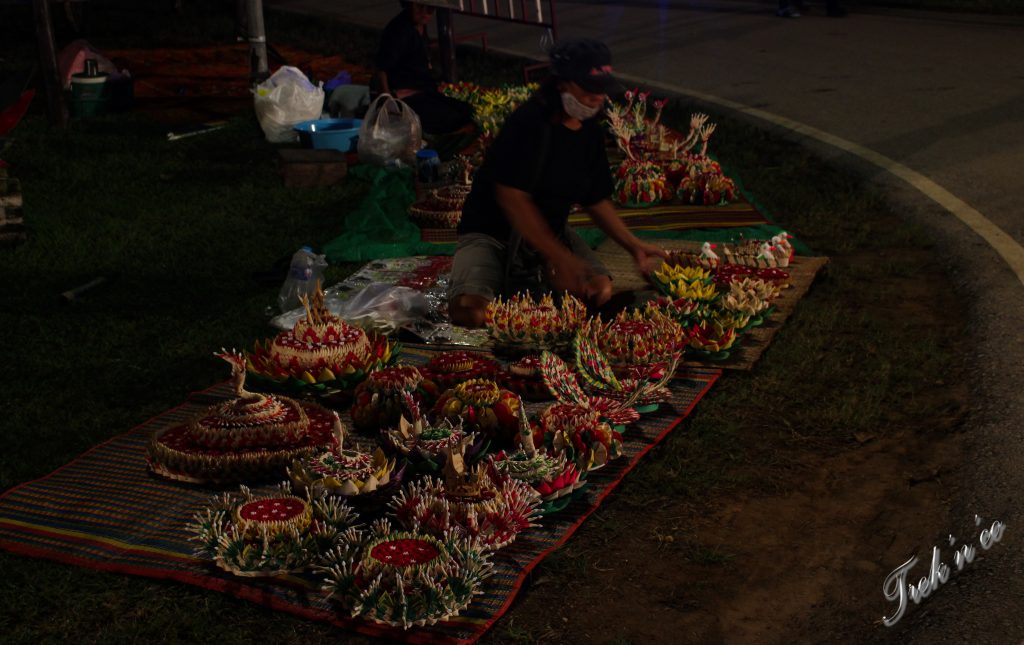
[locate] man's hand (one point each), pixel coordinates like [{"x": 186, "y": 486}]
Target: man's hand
[
  {"x": 569, "y": 273},
  {"x": 645, "y": 254}
]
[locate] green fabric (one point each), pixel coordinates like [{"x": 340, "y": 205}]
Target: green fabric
[{"x": 379, "y": 226}]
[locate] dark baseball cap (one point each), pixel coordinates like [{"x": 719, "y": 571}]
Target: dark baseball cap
[{"x": 586, "y": 62}]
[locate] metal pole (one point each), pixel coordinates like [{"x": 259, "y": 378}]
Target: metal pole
[
  {"x": 446, "y": 44},
  {"x": 56, "y": 110},
  {"x": 259, "y": 69}
]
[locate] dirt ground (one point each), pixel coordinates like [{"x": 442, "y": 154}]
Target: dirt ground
[{"x": 801, "y": 560}]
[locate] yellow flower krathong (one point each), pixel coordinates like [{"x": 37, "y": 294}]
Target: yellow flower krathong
[{"x": 690, "y": 282}]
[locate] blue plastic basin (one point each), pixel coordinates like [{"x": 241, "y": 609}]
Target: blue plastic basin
[{"x": 330, "y": 134}]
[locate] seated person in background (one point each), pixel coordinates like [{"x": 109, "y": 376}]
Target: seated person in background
[
  {"x": 404, "y": 72},
  {"x": 549, "y": 155}
]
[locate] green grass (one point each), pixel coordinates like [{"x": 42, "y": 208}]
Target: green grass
[{"x": 181, "y": 230}]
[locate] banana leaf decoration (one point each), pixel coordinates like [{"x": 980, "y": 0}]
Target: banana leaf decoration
[
  {"x": 561, "y": 380},
  {"x": 593, "y": 365}
]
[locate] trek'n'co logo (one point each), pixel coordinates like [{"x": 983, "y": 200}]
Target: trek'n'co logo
[{"x": 896, "y": 588}]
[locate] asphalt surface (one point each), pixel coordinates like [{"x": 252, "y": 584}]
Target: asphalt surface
[{"x": 928, "y": 105}]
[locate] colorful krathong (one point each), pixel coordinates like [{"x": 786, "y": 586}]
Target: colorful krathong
[
  {"x": 482, "y": 407},
  {"x": 271, "y": 534},
  {"x": 640, "y": 184},
  {"x": 525, "y": 378},
  {"x": 659, "y": 167},
  {"x": 706, "y": 188},
  {"x": 717, "y": 301},
  {"x": 249, "y": 437},
  {"x": 378, "y": 401},
  {"x": 404, "y": 578},
  {"x": 638, "y": 341},
  {"x": 361, "y": 476},
  {"x": 521, "y": 324},
  {"x": 426, "y": 446},
  {"x": 641, "y": 391},
  {"x": 711, "y": 340},
  {"x": 491, "y": 106},
  {"x": 320, "y": 350},
  {"x": 448, "y": 369},
  {"x": 476, "y": 502},
  {"x": 562, "y": 383},
  {"x": 579, "y": 434},
  {"x": 553, "y": 477}
]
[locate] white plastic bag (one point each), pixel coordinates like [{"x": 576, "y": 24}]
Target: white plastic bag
[
  {"x": 384, "y": 307},
  {"x": 390, "y": 131},
  {"x": 285, "y": 99}
]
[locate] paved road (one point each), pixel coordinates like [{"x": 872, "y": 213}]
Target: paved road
[{"x": 931, "y": 106}]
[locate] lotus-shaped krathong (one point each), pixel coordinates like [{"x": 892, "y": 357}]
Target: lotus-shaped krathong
[
  {"x": 320, "y": 351},
  {"x": 521, "y": 325}
]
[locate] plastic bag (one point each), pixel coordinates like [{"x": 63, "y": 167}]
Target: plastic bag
[
  {"x": 285, "y": 99},
  {"x": 378, "y": 306},
  {"x": 390, "y": 131},
  {"x": 384, "y": 307}
]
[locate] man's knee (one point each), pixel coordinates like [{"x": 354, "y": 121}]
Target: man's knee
[{"x": 468, "y": 310}]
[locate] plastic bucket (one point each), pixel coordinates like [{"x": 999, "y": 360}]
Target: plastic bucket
[
  {"x": 90, "y": 95},
  {"x": 333, "y": 134}
]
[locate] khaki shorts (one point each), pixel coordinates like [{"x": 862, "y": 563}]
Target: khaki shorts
[{"x": 481, "y": 266}]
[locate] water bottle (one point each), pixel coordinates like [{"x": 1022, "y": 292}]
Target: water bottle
[
  {"x": 428, "y": 166},
  {"x": 306, "y": 270}
]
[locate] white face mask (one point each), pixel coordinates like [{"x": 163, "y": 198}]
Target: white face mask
[{"x": 577, "y": 110}]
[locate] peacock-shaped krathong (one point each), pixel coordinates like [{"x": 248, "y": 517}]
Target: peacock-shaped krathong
[
  {"x": 636, "y": 342},
  {"x": 477, "y": 502},
  {"x": 642, "y": 391},
  {"x": 404, "y": 578},
  {"x": 563, "y": 383},
  {"x": 270, "y": 534}
]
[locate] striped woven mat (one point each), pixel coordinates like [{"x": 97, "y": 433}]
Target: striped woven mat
[
  {"x": 678, "y": 217},
  {"x": 667, "y": 217},
  {"x": 104, "y": 510}
]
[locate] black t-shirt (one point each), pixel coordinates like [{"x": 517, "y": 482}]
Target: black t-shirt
[
  {"x": 574, "y": 170},
  {"x": 403, "y": 55}
]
